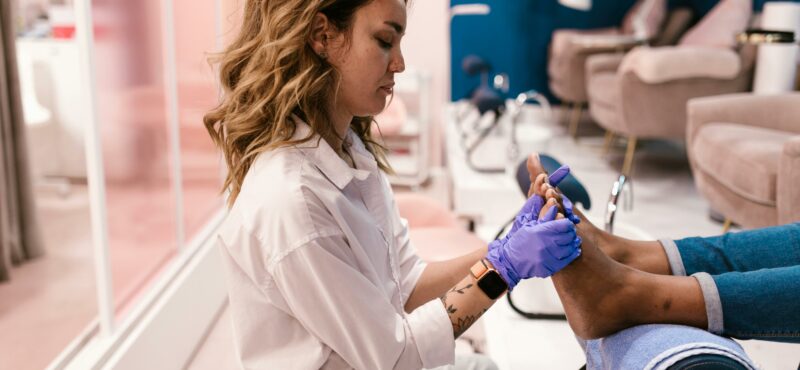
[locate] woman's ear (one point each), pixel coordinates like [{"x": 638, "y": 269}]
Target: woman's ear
[{"x": 320, "y": 29}]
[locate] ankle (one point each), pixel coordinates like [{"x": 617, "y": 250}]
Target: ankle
[{"x": 609, "y": 244}]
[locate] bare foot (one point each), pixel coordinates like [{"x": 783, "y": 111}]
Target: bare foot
[
  {"x": 643, "y": 255},
  {"x": 592, "y": 288},
  {"x": 602, "y": 296},
  {"x": 594, "y": 291}
]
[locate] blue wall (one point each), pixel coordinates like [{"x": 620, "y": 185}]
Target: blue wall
[{"x": 515, "y": 37}]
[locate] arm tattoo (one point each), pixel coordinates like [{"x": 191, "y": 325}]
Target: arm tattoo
[{"x": 460, "y": 323}]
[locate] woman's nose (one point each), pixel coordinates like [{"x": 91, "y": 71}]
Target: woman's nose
[{"x": 398, "y": 63}]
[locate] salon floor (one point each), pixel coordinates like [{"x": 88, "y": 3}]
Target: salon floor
[
  {"x": 51, "y": 300},
  {"x": 666, "y": 204}
]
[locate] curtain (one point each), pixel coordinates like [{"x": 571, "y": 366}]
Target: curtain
[{"x": 20, "y": 239}]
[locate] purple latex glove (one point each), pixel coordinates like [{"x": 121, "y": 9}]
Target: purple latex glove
[
  {"x": 567, "y": 204},
  {"x": 533, "y": 206},
  {"x": 559, "y": 175},
  {"x": 537, "y": 249}
]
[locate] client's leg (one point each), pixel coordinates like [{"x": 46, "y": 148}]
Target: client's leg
[
  {"x": 762, "y": 304},
  {"x": 749, "y": 250},
  {"x": 756, "y": 277},
  {"x": 601, "y": 296}
]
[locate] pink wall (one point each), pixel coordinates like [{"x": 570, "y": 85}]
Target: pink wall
[{"x": 426, "y": 48}]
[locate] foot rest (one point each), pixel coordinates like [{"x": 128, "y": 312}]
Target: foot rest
[{"x": 570, "y": 186}]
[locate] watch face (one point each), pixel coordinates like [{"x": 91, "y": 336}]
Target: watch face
[{"x": 492, "y": 284}]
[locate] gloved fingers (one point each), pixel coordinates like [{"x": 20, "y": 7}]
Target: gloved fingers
[
  {"x": 568, "y": 207},
  {"x": 558, "y": 175},
  {"x": 566, "y": 203},
  {"x": 561, "y": 251},
  {"x": 549, "y": 213},
  {"x": 564, "y": 240},
  {"x": 575, "y": 254},
  {"x": 563, "y": 226},
  {"x": 532, "y": 206},
  {"x": 529, "y": 211}
]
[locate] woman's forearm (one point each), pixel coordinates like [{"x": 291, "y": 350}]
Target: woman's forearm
[
  {"x": 439, "y": 277},
  {"x": 465, "y": 303}
]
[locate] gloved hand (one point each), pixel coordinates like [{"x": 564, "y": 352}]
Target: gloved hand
[
  {"x": 558, "y": 175},
  {"x": 533, "y": 206},
  {"x": 537, "y": 249},
  {"x": 554, "y": 179},
  {"x": 567, "y": 204}
]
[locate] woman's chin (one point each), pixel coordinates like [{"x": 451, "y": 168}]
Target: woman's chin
[{"x": 373, "y": 110}]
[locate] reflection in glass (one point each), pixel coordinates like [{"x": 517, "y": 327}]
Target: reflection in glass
[
  {"x": 197, "y": 93},
  {"x": 132, "y": 115}
]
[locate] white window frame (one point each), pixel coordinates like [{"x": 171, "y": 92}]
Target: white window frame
[{"x": 169, "y": 322}]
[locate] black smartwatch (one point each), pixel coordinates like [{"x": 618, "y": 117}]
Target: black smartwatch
[{"x": 489, "y": 280}]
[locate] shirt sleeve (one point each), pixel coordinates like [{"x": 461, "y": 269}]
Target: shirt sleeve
[
  {"x": 335, "y": 302},
  {"x": 411, "y": 266}
]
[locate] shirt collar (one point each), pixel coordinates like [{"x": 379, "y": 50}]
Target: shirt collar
[{"x": 320, "y": 153}]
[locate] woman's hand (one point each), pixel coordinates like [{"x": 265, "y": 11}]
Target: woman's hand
[
  {"x": 538, "y": 249},
  {"x": 545, "y": 187}
]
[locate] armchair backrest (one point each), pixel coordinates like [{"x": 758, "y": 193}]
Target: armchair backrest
[
  {"x": 677, "y": 23},
  {"x": 645, "y": 18},
  {"x": 721, "y": 25}
]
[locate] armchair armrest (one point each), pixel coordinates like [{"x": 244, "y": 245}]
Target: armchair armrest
[
  {"x": 603, "y": 63},
  {"x": 607, "y": 42},
  {"x": 792, "y": 148},
  {"x": 565, "y": 42},
  {"x": 788, "y": 193},
  {"x": 778, "y": 112},
  {"x": 663, "y": 64}
]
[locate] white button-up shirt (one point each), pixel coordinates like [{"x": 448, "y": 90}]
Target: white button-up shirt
[{"x": 319, "y": 266}]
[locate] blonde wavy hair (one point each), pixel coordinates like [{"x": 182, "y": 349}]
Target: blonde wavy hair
[{"x": 270, "y": 72}]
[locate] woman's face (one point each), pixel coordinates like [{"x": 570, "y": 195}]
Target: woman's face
[{"x": 368, "y": 61}]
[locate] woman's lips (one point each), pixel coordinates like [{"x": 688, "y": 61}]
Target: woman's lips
[{"x": 388, "y": 89}]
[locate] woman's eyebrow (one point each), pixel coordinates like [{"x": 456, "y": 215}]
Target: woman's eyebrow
[{"x": 397, "y": 27}]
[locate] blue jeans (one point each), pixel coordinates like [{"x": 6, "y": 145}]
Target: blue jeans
[{"x": 750, "y": 280}]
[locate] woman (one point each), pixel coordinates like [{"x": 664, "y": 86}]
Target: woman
[{"x": 320, "y": 269}]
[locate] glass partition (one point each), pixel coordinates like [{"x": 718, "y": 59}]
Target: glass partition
[
  {"x": 195, "y": 41},
  {"x": 131, "y": 107},
  {"x": 162, "y": 173}
]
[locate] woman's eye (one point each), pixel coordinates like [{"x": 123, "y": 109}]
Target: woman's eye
[{"x": 384, "y": 44}]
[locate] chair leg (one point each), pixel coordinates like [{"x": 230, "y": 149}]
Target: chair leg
[
  {"x": 627, "y": 166},
  {"x": 609, "y": 139},
  {"x": 575, "y": 120},
  {"x": 565, "y": 113},
  {"x": 727, "y": 225}
]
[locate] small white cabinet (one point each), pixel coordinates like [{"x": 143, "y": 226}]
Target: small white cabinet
[{"x": 55, "y": 144}]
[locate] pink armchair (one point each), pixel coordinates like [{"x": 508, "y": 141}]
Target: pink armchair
[
  {"x": 744, "y": 151},
  {"x": 570, "y": 48},
  {"x": 434, "y": 230},
  {"x": 645, "y": 94}
]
